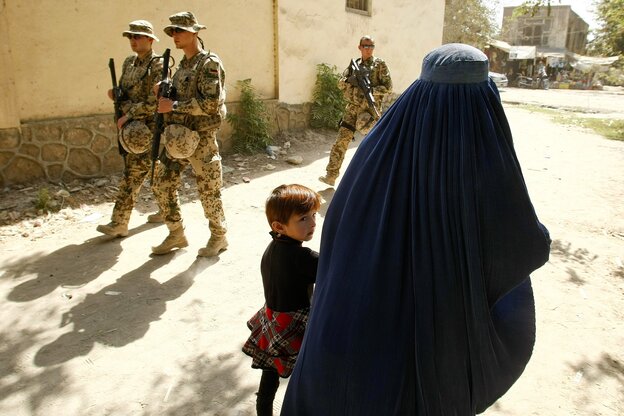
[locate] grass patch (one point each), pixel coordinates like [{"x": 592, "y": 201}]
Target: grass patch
[
  {"x": 610, "y": 128},
  {"x": 42, "y": 200}
]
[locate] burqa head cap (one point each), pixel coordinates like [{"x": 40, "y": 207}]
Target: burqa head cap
[{"x": 455, "y": 63}]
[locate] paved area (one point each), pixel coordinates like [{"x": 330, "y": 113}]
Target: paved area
[
  {"x": 608, "y": 102},
  {"x": 97, "y": 326}
]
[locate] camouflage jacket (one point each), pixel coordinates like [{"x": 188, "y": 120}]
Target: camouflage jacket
[
  {"x": 200, "y": 92},
  {"x": 138, "y": 77},
  {"x": 379, "y": 78}
]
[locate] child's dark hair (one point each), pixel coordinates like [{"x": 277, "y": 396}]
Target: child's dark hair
[{"x": 286, "y": 200}]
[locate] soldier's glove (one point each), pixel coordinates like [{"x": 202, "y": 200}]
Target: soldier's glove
[{"x": 352, "y": 79}]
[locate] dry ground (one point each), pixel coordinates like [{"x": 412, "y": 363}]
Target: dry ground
[{"x": 96, "y": 326}]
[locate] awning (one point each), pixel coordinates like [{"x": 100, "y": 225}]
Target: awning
[
  {"x": 499, "y": 44},
  {"x": 558, "y": 55},
  {"x": 591, "y": 63},
  {"x": 522, "y": 52}
]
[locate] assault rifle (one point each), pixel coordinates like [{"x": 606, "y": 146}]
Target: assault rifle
[
  {"x": 359, "y": 77},
  {"x": 117, "y": 97},
  {"x": 165, "y": 90}
]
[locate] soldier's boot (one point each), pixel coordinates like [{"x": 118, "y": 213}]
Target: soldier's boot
[
  {"x": 329, "y": 180},
  {"x": 215, "y": 245},
  {"x": 156, "y": 218},
  {"x": 113, "y": 229},
  {"x": 175, "y": 239}
]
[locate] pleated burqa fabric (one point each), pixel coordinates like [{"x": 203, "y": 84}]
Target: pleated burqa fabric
[{"x": 423, "y": 303}]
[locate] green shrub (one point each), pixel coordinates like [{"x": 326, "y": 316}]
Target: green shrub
[
  {"x": 43, "y": 199},
  {"x": 250, "y": 126},
  {"x": 328, "y": 102},
  {"x": 614, "y": 76}
]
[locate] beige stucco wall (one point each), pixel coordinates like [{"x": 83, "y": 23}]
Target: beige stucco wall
[
  {"x": 56, "y": 120},
  {"x": 323, "y": 32},
  {"x": 55, "y": 53}
]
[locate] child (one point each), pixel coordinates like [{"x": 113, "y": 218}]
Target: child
[{"x": 288, "y": 273}]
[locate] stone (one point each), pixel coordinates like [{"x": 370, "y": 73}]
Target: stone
[
  {"x": 23, "y": 170},
  {"x": 83, "y": 162},
  {"x": 55, "y": 172},
  {"x": 31, "y": 150},
  {"x": 78, "y": 137},
  {"x": 9, "y": 139},
  {"x": 282, "y": 116},
  {"x": 112, "y": 162},
  {"x": 53, "y": 152},
  {"x": 5, "y": 157},
  {"x": 68, "y": 177},
  {"x": 295, "y": 160},
  {"x": 46, "y": 133},
  {"x": 102, "y": 143}
]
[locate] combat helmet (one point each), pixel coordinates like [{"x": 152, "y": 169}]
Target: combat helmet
[
  {"x": 135, "y": 137},
  {"x": 180, "y": 141}
]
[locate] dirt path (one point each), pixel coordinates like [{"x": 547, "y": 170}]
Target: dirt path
[{"x": 94, "y": 326}]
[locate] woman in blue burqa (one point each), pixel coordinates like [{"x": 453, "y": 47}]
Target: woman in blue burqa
[{"x": 423, "y": 304}]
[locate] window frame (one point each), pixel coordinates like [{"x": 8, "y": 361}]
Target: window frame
[{"x": 367, "y": 12}]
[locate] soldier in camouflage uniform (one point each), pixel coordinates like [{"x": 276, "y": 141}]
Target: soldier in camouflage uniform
[
  {"x": 193, "y": 117},
  {"x": 140, "y": 72},
  {"x": 358, "y": 115}
]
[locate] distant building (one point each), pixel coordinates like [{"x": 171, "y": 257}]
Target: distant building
[{"x": 560, "y": 31}]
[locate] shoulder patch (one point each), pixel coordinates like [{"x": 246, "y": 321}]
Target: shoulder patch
[{"x": 213, "y": 66}]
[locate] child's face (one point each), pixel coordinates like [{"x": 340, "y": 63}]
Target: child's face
[{"x": 299, "y": 226}]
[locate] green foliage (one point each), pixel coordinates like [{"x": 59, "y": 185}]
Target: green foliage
[
  {"x": 468, "y": 21},
  {"x": 250, "y": 127},
  {"x": 614, "y": 76},
  {"x": 532, "y": 7},
  {"x": 328, "y": 101},
  {"x": 43, "y": 199},
  {"x": 609, "y": 39}
]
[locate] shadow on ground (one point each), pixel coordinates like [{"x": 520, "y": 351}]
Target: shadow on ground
[
  {"x": 575, "y": 258},
  {"x": 208, "y": 386},
  {"x": 49, "y": 382},
  {"x": 119, "y": 313},
  {"x": 598, "y": 372},
  {"x": 68, "y": 267}
]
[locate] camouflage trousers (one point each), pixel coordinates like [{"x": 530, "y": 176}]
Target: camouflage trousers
[
  {"x": 351, "y": 121},
  {"x": 206, "y": 163},
  {"x": 137, "y": 169}
]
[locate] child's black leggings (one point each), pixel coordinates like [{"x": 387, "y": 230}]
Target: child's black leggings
[{"x": 269, "y": 382}]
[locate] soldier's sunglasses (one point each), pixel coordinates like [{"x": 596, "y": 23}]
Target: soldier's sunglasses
[
  {"x": 368, "y": 46},
  {"x": 178, "y": 30},
  {"x": 131, "y": 36}
]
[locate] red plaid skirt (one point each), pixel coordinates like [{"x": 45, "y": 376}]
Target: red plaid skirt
[{"x": 275, "y": 339}]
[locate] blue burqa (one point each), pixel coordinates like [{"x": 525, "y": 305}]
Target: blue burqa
[{"x": 423, "y": 303}]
